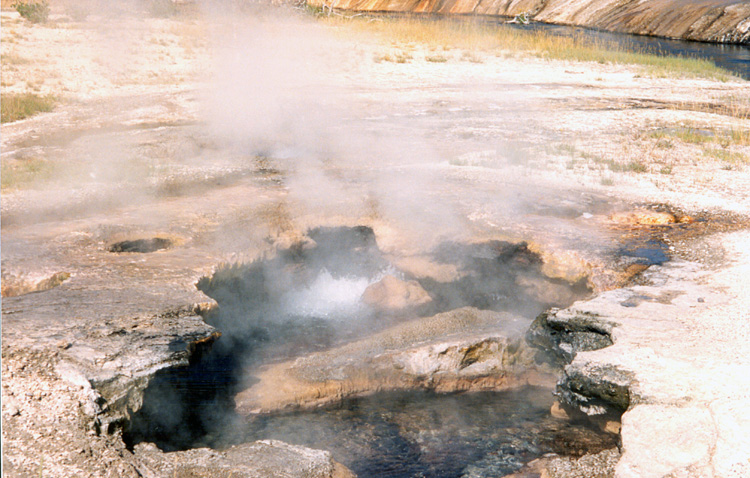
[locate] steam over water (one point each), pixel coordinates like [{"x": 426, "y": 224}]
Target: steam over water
[
  {"x": 306, "y": 298},
  {"x": 309, "y": 299},
  {"x": 327, "y": 297}
]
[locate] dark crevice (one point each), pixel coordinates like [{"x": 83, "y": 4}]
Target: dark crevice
[{"x": 141, "y": 245}]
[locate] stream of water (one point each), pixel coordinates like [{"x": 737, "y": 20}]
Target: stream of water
[{"x": 731, "y": 57}]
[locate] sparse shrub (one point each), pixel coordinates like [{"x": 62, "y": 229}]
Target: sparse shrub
[
  {"x": 664, "y": 144},
  {"x": 13, "y": 58},
  {"x": 472, "y": 57},
  {"x": 35, "y": 12},
  {"x": 632, "y": 167},
  {"x": 565, "y": 149},
  {"x": 636, "y": 167}
]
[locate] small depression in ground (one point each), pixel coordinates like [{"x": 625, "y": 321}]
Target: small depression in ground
[
  {"x": 142, "y": 246},
  {"x": 309, "y": 298}
]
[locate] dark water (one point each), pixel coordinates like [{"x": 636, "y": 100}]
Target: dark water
[
  {"x": 648, "y": 253},
  {"x": 423, "y": 434}
]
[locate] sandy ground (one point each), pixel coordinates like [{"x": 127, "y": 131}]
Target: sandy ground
[{"x": 214, "y": 133}]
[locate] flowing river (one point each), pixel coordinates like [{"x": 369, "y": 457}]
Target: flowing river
[{"x": 731, "y": 57}]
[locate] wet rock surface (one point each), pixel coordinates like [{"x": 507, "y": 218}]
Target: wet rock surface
[
  {"x": 564, "y": 333},
  {"x": 141, "y": 245},
  {"x": 13, "y": 286}
]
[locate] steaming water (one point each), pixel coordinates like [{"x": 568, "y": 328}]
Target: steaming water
[
  {"x": 327, "y": 296},
  {"x": 301, "y": 302}
]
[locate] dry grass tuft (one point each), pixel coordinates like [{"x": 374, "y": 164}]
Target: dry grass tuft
[{"x": 18, "y": 106}]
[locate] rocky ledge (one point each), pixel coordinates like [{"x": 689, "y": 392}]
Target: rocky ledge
[
  {"x": 725, "y": 21},
  {"x": 668, "y": 353}
]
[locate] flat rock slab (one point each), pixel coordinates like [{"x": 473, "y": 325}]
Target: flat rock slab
[{"x": 464, "y": 349}]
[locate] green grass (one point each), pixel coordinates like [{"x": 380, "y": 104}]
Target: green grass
[
  {"x": 449, "y": 34},
  {"x": 17, "y": 106}
]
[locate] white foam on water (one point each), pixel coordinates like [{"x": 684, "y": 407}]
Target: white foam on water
[{"x": 327, "y": 296}]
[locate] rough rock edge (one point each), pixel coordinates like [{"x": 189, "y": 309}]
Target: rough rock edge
[
  {"x": 116, "y": 393},
  {"x": 559, "y": 335}
]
